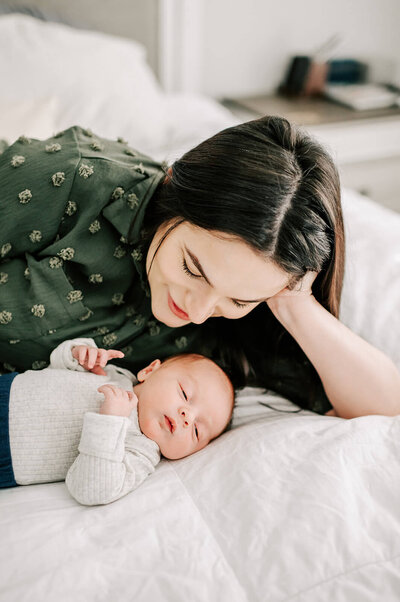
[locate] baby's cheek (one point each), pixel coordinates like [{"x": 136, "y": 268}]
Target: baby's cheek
[{"x": 149, "y": 429}]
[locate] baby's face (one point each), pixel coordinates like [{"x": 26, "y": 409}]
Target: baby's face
[{"x": 184, "y": 403}]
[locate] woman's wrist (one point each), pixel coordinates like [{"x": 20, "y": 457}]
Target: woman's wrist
[{"x": 289, "y": 309}]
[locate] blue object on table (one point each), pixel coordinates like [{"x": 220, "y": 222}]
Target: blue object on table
[{"x": 346, "y": 71}]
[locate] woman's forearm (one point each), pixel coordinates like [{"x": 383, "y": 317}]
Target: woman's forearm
[{"x": 358, "y": 378}]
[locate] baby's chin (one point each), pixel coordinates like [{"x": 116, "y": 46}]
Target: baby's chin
[{"x": 172, "y": 456}]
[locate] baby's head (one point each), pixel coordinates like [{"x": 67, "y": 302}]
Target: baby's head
[{"x": 184, "y": 403}]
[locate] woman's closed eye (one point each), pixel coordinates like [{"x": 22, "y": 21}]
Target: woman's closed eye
[
  {"x": 237, "y": 304},
  {"x": 192, "y": 275},
  {"x": 189, "y": 272}
]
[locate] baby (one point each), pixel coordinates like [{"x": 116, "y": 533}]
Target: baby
[{"x": 101, "y": 429}]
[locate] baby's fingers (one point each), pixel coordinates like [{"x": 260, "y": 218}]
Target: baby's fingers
[
  {"x": 107, "y": 390},
  {"x": 102, "y": 357},
  {"x": 92, "y": 357},
  {"x": 82, "y": 352},
  {"x": 113, "y": 353},
  {"x": 98, "y": 370},
  {"x": 132, "y": 396}
]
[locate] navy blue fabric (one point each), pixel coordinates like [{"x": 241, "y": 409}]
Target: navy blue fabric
[{"x": 6, "y": 470}]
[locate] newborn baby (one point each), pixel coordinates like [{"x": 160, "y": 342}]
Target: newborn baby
[{"x": 101, "y": 429}]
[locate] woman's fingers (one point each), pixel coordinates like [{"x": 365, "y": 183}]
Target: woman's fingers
[
  {"x": 307, "y": 281},
  {"x": 302, "y": 287}
]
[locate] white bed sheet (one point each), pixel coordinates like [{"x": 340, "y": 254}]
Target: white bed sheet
[
  {"x": 295, "y": 507},
  {"x": 287, "y": 507}
]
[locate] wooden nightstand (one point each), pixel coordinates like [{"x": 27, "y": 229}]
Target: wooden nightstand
[{"x": 365, "y": 144}]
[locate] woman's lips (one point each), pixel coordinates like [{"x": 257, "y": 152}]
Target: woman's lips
[
  {"x": 171, "y": 424},
  {"x": 177, "y": 310}
]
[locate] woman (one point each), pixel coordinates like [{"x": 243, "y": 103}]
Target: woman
[{"x": 97, "y": 241}]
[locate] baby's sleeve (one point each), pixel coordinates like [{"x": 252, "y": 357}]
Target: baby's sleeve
[
  {"x": 62, "y": 358},
  {"x": 106, "y": 467}
]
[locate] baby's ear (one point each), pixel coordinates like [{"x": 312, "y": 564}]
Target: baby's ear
[{"x": 145, "y": 372}]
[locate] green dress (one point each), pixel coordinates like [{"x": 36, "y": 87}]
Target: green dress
[{"x": 67, "y": 267}]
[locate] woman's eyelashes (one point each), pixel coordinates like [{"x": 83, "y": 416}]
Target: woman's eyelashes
[
  {"x": 237, "y": 304},
  {"x": 190, "y": 273}
]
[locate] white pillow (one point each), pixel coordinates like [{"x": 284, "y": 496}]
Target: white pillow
[
  {"x": 35, "y": 118},
  {"x": 100, "y": 81},
  {"x": 371, "y": 292},
  {"x": 190, "y": 119}
]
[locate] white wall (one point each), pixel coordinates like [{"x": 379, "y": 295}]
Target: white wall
[{"x": 246, "y": 44}]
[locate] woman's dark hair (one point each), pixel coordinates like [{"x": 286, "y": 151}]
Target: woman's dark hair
[{"x": 274, "y": 187}]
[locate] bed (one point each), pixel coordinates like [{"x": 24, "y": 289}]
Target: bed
[{"x": 288, "y": 505}]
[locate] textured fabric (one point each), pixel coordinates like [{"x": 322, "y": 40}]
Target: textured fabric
[
  {"x": 57, "y": 433},
  {"x": 67, "y": 268},
  {"x": 6, "y": 470}
]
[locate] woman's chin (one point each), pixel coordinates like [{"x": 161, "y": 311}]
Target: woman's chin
[{"x": 174, "y": 322}]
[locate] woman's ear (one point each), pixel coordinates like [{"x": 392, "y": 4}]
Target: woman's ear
[
  {"x": 168, "y": 175},
  {"x": 145, "y": 372}
]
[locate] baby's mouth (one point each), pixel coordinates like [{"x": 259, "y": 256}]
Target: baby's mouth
[{"x": 171, "y": 424}]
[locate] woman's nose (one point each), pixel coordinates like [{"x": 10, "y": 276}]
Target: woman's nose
[
  {"x": 186, "y": 416},
  {"x": 200, "y": 308}
]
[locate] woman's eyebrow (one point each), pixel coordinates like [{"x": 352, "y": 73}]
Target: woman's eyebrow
[{"x": 197, "y": 264}]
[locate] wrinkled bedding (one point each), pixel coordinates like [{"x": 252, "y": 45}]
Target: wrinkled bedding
[{"x": 284, "y": 507}]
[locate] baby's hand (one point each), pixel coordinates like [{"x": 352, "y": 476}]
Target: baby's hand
[
  {"x": 93, "y": 359},
  {"x": 118, "y": 402}
]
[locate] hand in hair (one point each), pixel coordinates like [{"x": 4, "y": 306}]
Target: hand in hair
[{"x": 302, "y": 288}]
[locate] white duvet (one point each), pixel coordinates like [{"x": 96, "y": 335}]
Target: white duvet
[{"x": 286, "y": 506}]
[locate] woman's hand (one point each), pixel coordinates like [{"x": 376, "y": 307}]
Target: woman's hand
[
  {"x": 117, "y": 402},
  {"x": 287, "y": 296},
  {"x": 94, "y": 359}
]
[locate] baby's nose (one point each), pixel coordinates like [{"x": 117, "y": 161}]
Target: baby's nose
[{"x": 185, "y": 416}]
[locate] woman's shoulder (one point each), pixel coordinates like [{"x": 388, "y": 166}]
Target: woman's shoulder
[
  {"x": 77, "y": 143},
  {"x": 94, "y": 146}
]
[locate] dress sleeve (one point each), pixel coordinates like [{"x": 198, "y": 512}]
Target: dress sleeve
[
  {"x": 61, "y": 357},
  {"x": 107, "y": 468}
]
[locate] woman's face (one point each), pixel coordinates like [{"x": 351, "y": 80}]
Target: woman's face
[{"x": 197, "y": 275}]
